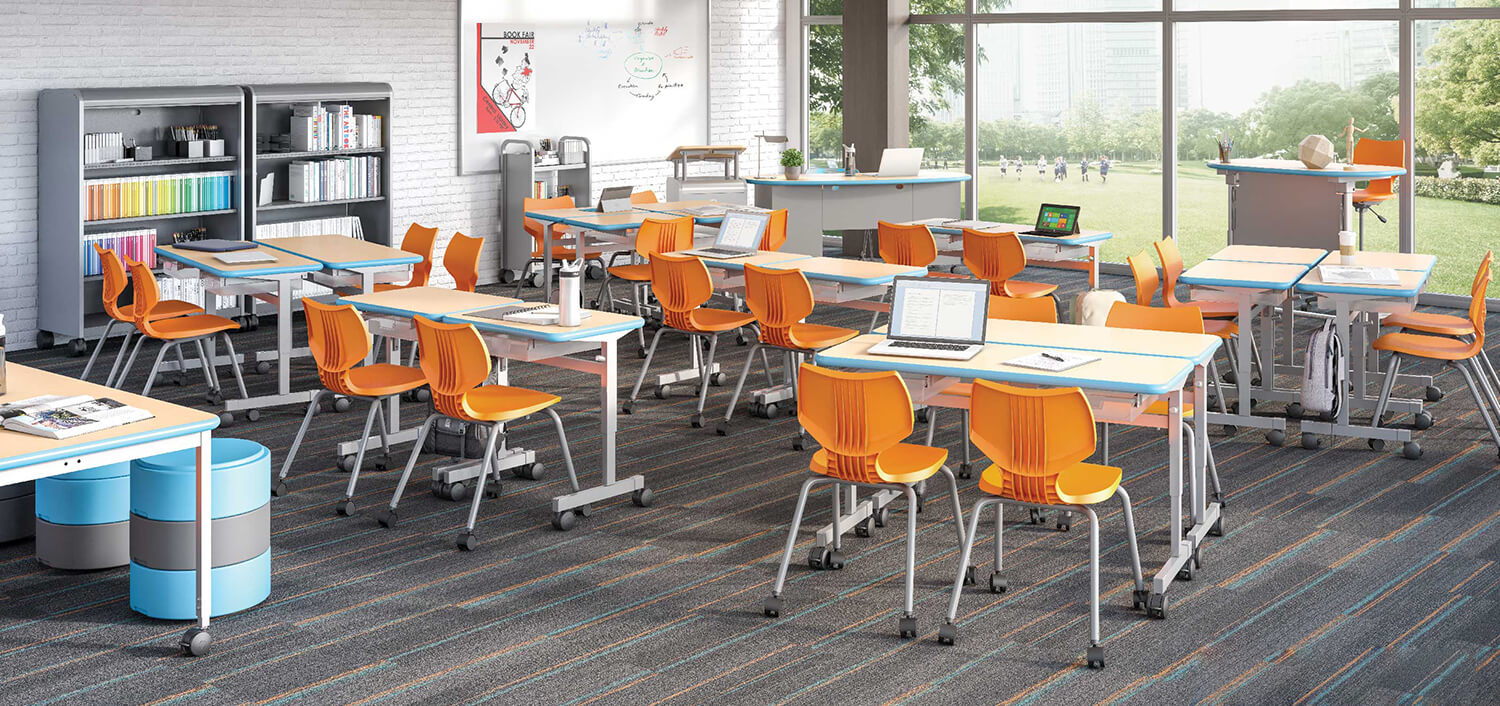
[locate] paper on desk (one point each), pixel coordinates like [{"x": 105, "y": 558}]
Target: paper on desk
[
  {"x": 1052, "y": 361},
  {"x": 972, "y": 225},
  {"x": 243, "y": 257},
  {"x": 1354, "y": 274},
  {"x": 931, "y": 222}
]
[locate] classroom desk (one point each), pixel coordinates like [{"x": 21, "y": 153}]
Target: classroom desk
[
  {"x": 1283, "y": 202},
  {"x": 597, "y": 339},
  {"x": 819, "y": 202},
  {"x": 610, "y": 223},
  {"x": 1363, "y": 304},
  {"x": 1077, "y": 251},
  {"x": 24, "y": 458},
  {"x": 713, "y": 216},
  {"x": 348, "y": 262},
  {"x": 271, "y": 282},
  {"x": 1121, "y": 386}
]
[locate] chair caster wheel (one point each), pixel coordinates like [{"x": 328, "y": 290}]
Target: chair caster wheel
[
  {"x": 663, "y": 391},
  {"x": 642, "y": 497},
  {"x": 1231, "y": 430},
  {"x": 863, "y": 529},
  {"x": 564, "y": 521},
  {"x": 1376, "y": 444},
  {"x": 344, "y": 507},
  {"x": 346, "y": 463},
  {"x": 279, "y": 489},
  {"x": 422, "y": 395},
  {"x": 1276, "y": 437},
  {"x": 770, "y": 411},
  {"x": 534, "y": 471},
  {"x": 534, "y": 280},
  {"x": 1422, "y": 420},
  {"x": 342, "y": 404},
  {"x": 467, "y": 542},
  {"x": 696, "y": 421},
  {"x": 195, "y": 642},
  {"x": 1433, "y": 393},
  {"x": 77, "y": 347},
  {"x": 718, "y": 379},
  {"x": 820, "y": 558},
  {"x": 965, "y": 470},
  {"x": 1140, "y": 598},
  {"x": 908, "y": 627},
  {"x": 1294, "y": 410},
  {"x": 1095, "y": 657},
  {"x": 1411, "y": 450},
  {"x": 263, "y": 367},
  {"x": 213, "y": 397},
  {"x": 998, "y": 583},
  {"x": 923, "y": 416},
  {"x": 492, "y": 490},
  {"x": 1034, "y": 516},
  {"x": 1229, "y": 377},
  {"x": 1156, "y": 606},
  {"x": 627, "y": 407},
  {"x": 799, "y": 444},
  {"x": 772, "y": 607},
  {"x": 1064, "y": 526},
  {"x": 450, "y": 491},
  {"x": 387, "y": 519},
  {"x": 722, "y": 429},
  {"x": 881, "y": 517},
  {"x": 253, "y": 415},
  {"x": 948, "y": 634},
  {"x": 594, "y": 272},
  {"x": 1311, "y": 441},
  {"x": 971, "y": 575},
  {"x": 641, "y": 353}
]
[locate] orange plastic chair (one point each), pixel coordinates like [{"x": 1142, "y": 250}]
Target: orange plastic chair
[
  {"x": 860, "y": 420},
  {"x": 1042, "y": 309},
  {"x": 113, "y": 285},
  {"x": 907, "y": 245},
  {"x": 682, "y": 285},
  {"x": 1038, "y": 440},
  {"x": 1385, "y": 153},
  {"x": 1437, "y": 324},
  {"x": 1466, "y": 356},
  {"x": 654, "y": 236},
  {"x": 780, "y": 300},
  {"x": 1143, "y": 271},
  {"x": 643, "y": 197},
  {"x": 419, "y": 240},
  {"x": 537, "y": 230},
  {"x": 997, "y": 258},
  {"x": 1171, "y": 269},
  {"x": 339, "y": 341},
  {"x": 173, "y": 332},
  {"x": 775, "y": 236},
  {"x": 461, "y": 259},
  {"x": 456, "y": 363}
]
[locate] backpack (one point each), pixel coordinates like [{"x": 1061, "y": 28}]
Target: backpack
[
  {"x": 1323, "y": 374},
  {"x": 456, "y": 439},
  {"x": 1091, "y": 308}
]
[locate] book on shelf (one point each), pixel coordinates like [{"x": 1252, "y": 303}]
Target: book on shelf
[
  {"x": 333, "y": 179},
  {"x": 340, "y": 225},
  {"x": 103, "y": 147},
  {"x": 158, "y": 195},
  {"x": 60, "y": 417},
  {"x": 138, "y": 245},
  {"x": 319, "y": 128}
]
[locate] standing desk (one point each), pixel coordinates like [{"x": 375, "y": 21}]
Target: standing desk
[
  {"x": 1283, "y": 202},
  {"x": 271, "y": 282},
  {"x": 819, "y": 202},
  {"x": 24, "y": 458},
  {"x": 1122, "y": 385},
  {"x": 1078, "y": 251}
]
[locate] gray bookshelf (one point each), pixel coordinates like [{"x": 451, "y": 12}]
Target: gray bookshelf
[
  {"x": 70, "y": 305},
  {"x": 518, "y": 173}
]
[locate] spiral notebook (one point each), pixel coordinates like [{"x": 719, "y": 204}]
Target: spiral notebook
[{"x": 1052, "y": 361}]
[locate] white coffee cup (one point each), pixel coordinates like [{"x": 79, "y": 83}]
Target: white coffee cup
[{"x": 1348, "y": 244}]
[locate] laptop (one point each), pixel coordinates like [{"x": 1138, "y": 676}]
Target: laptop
[
  {"x": 936, "y": 318},
  {"x": 739, "y": 236},
  {"x": 1055, "y": 220},
  {"x": 614, "y": 199},
  {"x": 900, "y": 161}
]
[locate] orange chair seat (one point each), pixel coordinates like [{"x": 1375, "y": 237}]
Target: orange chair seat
[
  {"x": 390, "y": 286},
  {"x": 947, "y": 275},
  {"x": 381, "y": 379},
  {"x": 1160, "y": 407},
  {"x": 1440, "y": 324},
  {"x": 902, "y": 463},
  {"x": 961, "y": 389},
  {"x": 634, "y": 273},
  {"x": 1364, "y": 196},
  {"x": 501, "y": 403},
  {"x": 716, "y": 320},
  {"x": 1080, "y": 484},
  {"x": 164, "y": 309},
  {"x": 191, "y": 326},
  {"x": 1432, "y": 347},
  {"x": 816, "y": 336},
  {"x": 1221, "y": 328},
  {"x": 1214, "y": 309},
  {"x": 1019, "y": 289}
]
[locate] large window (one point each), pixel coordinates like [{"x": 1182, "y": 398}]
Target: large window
[
  {"x": 825, "y": 92},
  {"x": 936, "y": 118}
]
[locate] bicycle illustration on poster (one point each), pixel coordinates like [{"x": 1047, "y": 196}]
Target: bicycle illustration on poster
[{"x": 506, "y": 78}]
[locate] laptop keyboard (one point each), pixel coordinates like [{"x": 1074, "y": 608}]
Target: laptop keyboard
[
  {"x": 721, "y": 251},
  {"x": 929, "y": 346}
]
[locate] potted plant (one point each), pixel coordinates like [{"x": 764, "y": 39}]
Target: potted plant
[{"x": 791, "y": 161}]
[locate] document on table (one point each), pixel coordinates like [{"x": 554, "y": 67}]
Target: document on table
[
  {"x": 708, "y": 211},
  {"x": 931, "y": 222},
  {"x": 243, "y": 257},
  {"x": 973, "y": 225},
  {"x": 1052, "y": 361},
  {"x": 937, "y": 313},
  {"x": 1354, "y": 274}
]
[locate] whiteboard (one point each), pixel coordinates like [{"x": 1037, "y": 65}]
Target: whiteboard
[{"x": 631, "y": 76}]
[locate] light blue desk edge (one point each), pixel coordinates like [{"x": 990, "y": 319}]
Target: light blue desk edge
[
  {"x": 86, "y": 447},
  {"x": 873, "y": 181},
  {"x": 262, "y": 272},
  {"x": 351, "y": 264},
  {"x": 1200, "y": 359},
  {"x": 582, "y": 331},
  {"x": 578, "y": 223},
  {"x": 1326, "y": 288},
  {"x": 1243, "y": 283},
  {"x": 1009, "y": 375},
  {"x": 1071, "y": 240},
  {"x": 1339, "y": 173},
  {"x": 739, "y": 266},
  {"x": 843, "y": 279},
  {"x": 1267, "y": 262},
  {"x": 393, "y": 311}
]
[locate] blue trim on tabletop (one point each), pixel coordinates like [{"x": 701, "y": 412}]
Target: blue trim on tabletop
[
  {"x": 80, "y": 445},
  {"x": 867, "y": 181},
  {"x": 845, "y": 279},
  {"x": 1007, "y": 374},
  {"x": 1278, "y": 285},
  {"x": 354, "y": 264},
  {"x": 1304, "y": 171},
  {"x": 559, "y": 337},
  {"x": 1069, "y": 240},
  {"x": 1372, "y": 291},
  {"x": 240, "y": 273}
]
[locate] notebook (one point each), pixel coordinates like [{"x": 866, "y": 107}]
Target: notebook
[
  {"x": 533, "y": 313},
  {"x": 1052, "y": 361},
  {"x": 243, "y": 257},
  {"x": 1353, "y": 274}
]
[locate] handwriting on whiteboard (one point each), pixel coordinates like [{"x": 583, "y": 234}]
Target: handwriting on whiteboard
[{"x": 649, "y": 57}]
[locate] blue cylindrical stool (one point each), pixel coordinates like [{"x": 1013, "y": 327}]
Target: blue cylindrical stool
[
  {"x": 83, "y": 519},
  {"x": 163, "y": 539},
  {"x": 17, "y": 512}
]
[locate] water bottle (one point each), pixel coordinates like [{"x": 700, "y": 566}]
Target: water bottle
[
  {"x": 570, "y": 294},
  {"x": 849, "y": 168}
]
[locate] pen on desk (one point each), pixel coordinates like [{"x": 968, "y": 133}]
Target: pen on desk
[{"x": 1049, "y": 356}]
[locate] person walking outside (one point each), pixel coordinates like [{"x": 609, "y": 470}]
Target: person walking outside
[
  {"x": 1104, "y": 168},
  {"x": 1004, "y": 166},
  {"x": 1083, "y": 168},
  {"x": 1041, "y": 166}
]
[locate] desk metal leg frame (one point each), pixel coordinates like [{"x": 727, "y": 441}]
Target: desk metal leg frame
[
  {"x": 196, "y": 640},
  {"x": 611, "y": 487}
]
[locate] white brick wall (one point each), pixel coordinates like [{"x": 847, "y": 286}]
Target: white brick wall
[{"x": 411, "y": 44}]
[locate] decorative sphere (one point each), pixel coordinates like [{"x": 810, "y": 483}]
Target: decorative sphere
[{"x": 1315, "y": 151}]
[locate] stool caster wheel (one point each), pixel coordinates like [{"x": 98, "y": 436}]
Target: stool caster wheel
[
  {"x": 344, "y": 507},
  {"x": 1139, "y": 598},
  {"x": 966, "y": 470},
  {"x": 534, "y": 471},
  {"x": 1295, "y": 410},
  {"x": 663, "y": 391},
  {"x": 1095, "y": 657},
  {"x": 998, "y": 584},
  {"x": 642, "y": 497},
  {"x": 226, "y": 419},
  {"x": 772, "y": 607},
  {"x": 1156, "y": 606},
  {"x": 908, "y": 626},
  {"x": 195, "y": 642},
  {"x": 1276, "y": 437},
  {"x": 824, "y": 558},
  {"x": 862, "y": 529},
  {"x": 280, "y": 489},
  {"x": 1433, "y": 393},
  {"x": 467, "y": 542},
  {"x": 1217, "y": 528},
  {"x": 1311, "y": 441},
  {"x": 564, "y": 521},
  {"x": 948, "y": 634},
  {"x": 263, "y": 367},
  {"x": 346, "y": 463},
  {"x": 1422, "y": 420},
  {"x": 1376, "y": 444},
  {"x": 881, "y": 517},
  {"x": 1411, "y": 450},
  {"x": 342, "y": 404},
  {"x": 253, "y": 415},
  {"x": 696, "y": 421},
  {"x": 387, "y": 519}
]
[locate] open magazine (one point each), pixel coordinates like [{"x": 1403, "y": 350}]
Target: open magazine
[{"x": 59, "y": 417}]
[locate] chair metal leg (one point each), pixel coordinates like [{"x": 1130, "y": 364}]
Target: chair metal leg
[
  {"x": 739, "y": 384},
  {"x": 385, "y": 439},
  {"x": 1104, "y": 443},
  {"x": 120, "y": 357},
  {"x": 286, "y": 465},
  {"x": 130, "y": 362},
  {"x": 103, "y": 338},
  {"x": 765, "y": 361},
  {"x": 963, "y": 560},
  {"x": 708, "y": 366},
  {"x": 346, "y": 506},
  {"x": 1481, "y": 396},
  {"x": 181, "y": 363},
  {"x": 1385, "y": 389},
  {"x": 968, "y": 462},
  {"x": 567, "y": 452},
  {"x": 160, "y": 354},
  {"x": 791, "y": 535},
  {"x": 496, "y": 431},
  {"x": 911, "y": 555},
  {"x": 1135, "y": 550},
  {"x": 411, "y": 462},
  {"x": 999, "y": 537},
  {"x": 1093, "y": 574},
  {"x": 838, "y": 512},
  {"x": 1213, "y": 380},
  {"x": 635, "y": 299},
  {"x": 958, "y": 508},
  {"x": 650, "y": 353},
  {"x": 203, "y": 359},
  {"x": 234, "y": 366}
]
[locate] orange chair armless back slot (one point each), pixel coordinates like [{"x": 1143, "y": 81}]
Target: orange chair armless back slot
[
  {"x": 1032, "y": 435},
  {"x": 1477, "y": 304},
  {"x": 146, "y": 295},
  {"x": 1171, "y": 269},
  {"x": 1043, "y": 309},
  {"x": 681, "y": 284},
  {"x": 420, "y": 240},
  {"x": 1385, "y": 153},
  {"x": 854, "y": 416},
  {"x": 775, "y": 236},
  {"x": 647, "y": 196},
  {"x": 536, "y": 228},
  {"x": 778, "y": 298},
  {"x": 461, "y": 260},
  {"x": 657, "y": 235},
  {"x": 1182, "y": 319},
  {"x": 338, "y": 339},
  {"x": 114, "y": 283},
  {"x": 455, "y": 361},
  {"x": 1144, "y": 272},
  {"x": 912, "y": 246},
  {"x": 994, "y": 257}
]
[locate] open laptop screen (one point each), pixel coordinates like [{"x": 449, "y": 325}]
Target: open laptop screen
[
  {"x": 946, "y": 310},
  {"x": 741, "y": 230},
  {"x": 1053, "y": 218}
]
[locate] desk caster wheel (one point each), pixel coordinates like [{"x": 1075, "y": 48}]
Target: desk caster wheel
[
  {"x": 771, "y": 411},
  {"x": 948, "y": 634},
  {"x": 663, "y": 391},
  {"x": 1295, "y": 410},
  {"x": 772, "y": 607},
  {"x": 923, "y": 416},
  {"x": 1033, "y": 516},
  {"x": 1411, "y": 450},
  {"x": 696, "y": 421},
  {"x": 1217, "y": 528},
  {"x": 253, "y": 415},
  {"x": 452, "y": 491},
  {"x": 881, "y": 517},
  {"x": 534, "y": 280},
  {"x": 422, "y": 395},
  {"x": 718, "y": 379},
  {"x": 998, "y": 584},
  {"x": 466, "y": 542},
  {"x": 1376, "y": 444},
  {"x": 1311, "y": 441},
  {"x": 534, "y": 471},
  {"x": 344, "y": 507},
  {"x": 862, "y": 529},
  {"x": 226, "y": 419},
  {"x": 965, "y": 470},
  {"x": 907, "y": 626},
  {"x": 1231, "y": 430},
  {"x": 564, "y": 521},
  {"x": 1422, "y": 420},
  {"x": 387, "y": 519},
  {"x": 195, "y": 642},
  {"x": 821, "y": 558},
  {"x": 1156, "y": 606},
  {"x": 1276, "y": 437},
  {"x": 45, "y": 340},
  {"x": 77, "y": 347},
  {"x": 263, "y": 367},
  {"x": 1095, "y": 657},
  {"x": 640, "y": 353},
  {"x": 595, "y": 272},
  {"x": 342, "y": 404},
  {"x": 1139, "y": 598},
  {"x": 280, "y": 489},
  {"x": 1186, "y": 572},
  {"x": 346, "y": 463},
  {"x": 642, "y": 497},
  {"x": 213, "y": 397},
  {"x": 1433, "y": 393}
]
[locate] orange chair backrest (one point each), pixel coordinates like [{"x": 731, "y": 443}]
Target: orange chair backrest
[
  {"x": 1182, "y": 319},
  {"x": 114, "y": 283},
  {"x": 1144, "y": 272},
  {"x": 994, "y": 257},
  {"x": 911, "y": 245},
  {"x": 338, "y": 339},
  {"x": 420, "y": 240},
  {"x": 1043, "y": 309},
  {"x": 461, "y": 260},
  {"x": 1031, "y": 434},
  {"x": 1477, "y": 311},
  {"x": 855, "y": 416},
  {"x": 681, "y": 285},
  {"x": 775, "y": 236},
  {"x": 146, "y": 296},
  {"x": 1171, "y": 269},
  {"x": 536, "y": 228},
  {"x": 657, "y": 235},
  {"x": 778, "y": 298},
  {"x": 455, "y": 361},
  {"x": 1386, "y": 153},
  {"x": 647, "y": 196}
]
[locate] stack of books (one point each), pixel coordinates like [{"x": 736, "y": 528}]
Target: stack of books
[
  {"x": 340, "y": 225},
  {"x": 138, "y": 245},
  {"x": 103, "y": 147},
  {"x": 334, "y": 179},
  {"x": 316, "y": 127},
  {"x": 158, "y": 195}
]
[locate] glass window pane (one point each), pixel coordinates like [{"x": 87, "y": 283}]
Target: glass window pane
[
  {"x": 936, "y": 114},
  {"x": 1457, "y": 3},
  {"x": 825, "y": 95},
  {"x": 825, "y": 7},
  {"x": 1458, "y": 148},
  {"x": 1065, "y": 5},
  {"x": 939, "y": 7},
  {"x": 1081, "y": 94},
  {"x": 1308, "y": 78},
  {"x": 1282, "y": 4}
]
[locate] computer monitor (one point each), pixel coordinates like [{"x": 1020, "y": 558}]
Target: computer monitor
[
  {"x": 742, "y": 230},
  {"x": 939, "y": 310},
  {"x": 1056, "y": 219},
  {"x": 900, "y": 161}
]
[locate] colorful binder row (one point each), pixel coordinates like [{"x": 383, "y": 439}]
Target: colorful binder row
[
  {"x": 138, "y": 245},
  {"x": 158, "y": 195}
]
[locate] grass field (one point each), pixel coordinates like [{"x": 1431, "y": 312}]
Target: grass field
[{"x": 1458, "y": 232}]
